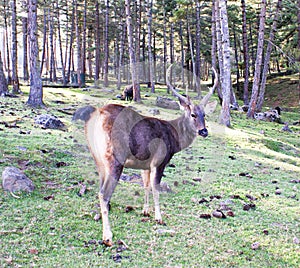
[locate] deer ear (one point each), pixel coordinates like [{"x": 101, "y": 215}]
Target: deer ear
[
  {"x": 185, "y": 104},
  {"x": 210, "y": 107}
]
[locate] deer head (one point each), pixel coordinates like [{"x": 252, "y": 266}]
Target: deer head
[{"x": 194, "y": 113}]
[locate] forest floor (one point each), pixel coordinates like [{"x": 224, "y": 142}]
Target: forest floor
[{"x": 251, "y": 169}]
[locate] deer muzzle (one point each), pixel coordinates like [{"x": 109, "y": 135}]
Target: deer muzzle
[{"x": 203, "y": 132}]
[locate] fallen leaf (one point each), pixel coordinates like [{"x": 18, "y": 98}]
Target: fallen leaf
[
  {"x": 266, "y": 232},
  {"x": 33, "y": 251},
  {"x": 203, "y": 200},
  {"x": 215, "y": 197},
  {"x": 129, "y": 208},
  {"x": 252, "y": 198},
  {"x": 49, "y": 197},
  {"x": 61, "y": 164},
  {"x": 247, "y": 207},
  {"x": 9, "y": 260},
  {"x": 82, "y": 189},
  {"x": 205, "y": 216}
]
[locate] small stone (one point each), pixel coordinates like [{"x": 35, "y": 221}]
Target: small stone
[
  {"x": 219, "y": 214},
  {"x": 278, "y": 192},
  {"x": 265, "y": 231},
  {"x": 14, "y": 180},
  {"x": 230, "y": 213},
  {"x": 97, "y": 217},
  {"x": 164, "y": 187},
  {"x": 296, "y": 240},
  {"x": 255, "y": 245}
]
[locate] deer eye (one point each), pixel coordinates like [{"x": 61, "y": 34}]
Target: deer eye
[{"x": 194, "y": 115}]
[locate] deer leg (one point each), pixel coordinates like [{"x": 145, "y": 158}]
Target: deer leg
[
  {"x": 155, "y": 178},
  {"x": 106, "y": 190},
  {"x": 147, "y": 187}
]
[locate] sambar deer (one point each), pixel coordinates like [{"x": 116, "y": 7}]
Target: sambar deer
[{"x": 119, "y": 137}]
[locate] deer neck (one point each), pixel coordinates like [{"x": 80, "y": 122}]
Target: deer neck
[{"x": 185, "y": 132}]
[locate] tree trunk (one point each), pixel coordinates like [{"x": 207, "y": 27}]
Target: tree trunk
[
  {"x": 268, "y": 56},
  {"x": 195, "y": 77},
  {"x": 84, "y": 41},
  {"x": 44, "y": 40},
  {"x": 226, "y": 84},
  {"x": 71, "y": 43},
  {"x": 36, "y": 88},
  {"x": 258, "y": 62},
  {"x": 106, "y": 42},
  {"x": 252, "y": 49},
  {"x": 137, "y": 41},
  {"x": 63, "y": 66},
  {"x": 90, "y": 55},
  {"x": 214, "y": 43},
  {"x": 7, "y": 44},
  {"x": 298, "y": 19},
  {"x": 53, "y": 77},
  {"x": 122, "y": 27},
  {"x": 245, "y": 55},
  {"x": 219, "y": 51},
  {"x": 182, "y": 53},
  {"x": 78, "y": 45},
  {"x": 14, "y": 58},
  {"x": 150, "y": 55},
  {"x": 135, "y": 82},
  {"x": 198, "y": 42},
  {"x": 165, "y": 44},
  {"x": 3, "y": 82},
  {"x": 236, "y": 61},
  {"x": 25, "y": 42},
  {"x": 97, "y": 43}
]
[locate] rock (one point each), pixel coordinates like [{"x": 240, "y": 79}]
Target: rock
[
  {"x": 49, "y": 121},
  {"x": 219, "y": 214},
  {"x": 83, "y": 113},
  {"x": 167, "y": 103},
  {"x": 286, "y": 127},
  {"x": 255, "y": 245},
  {"x": 154, "y": 111},
  {"x": 14, "y": 180},
  {"x": 278, "y": 191},
  {"x": 164, "y": 187}
]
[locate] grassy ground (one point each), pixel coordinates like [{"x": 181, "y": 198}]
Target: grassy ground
[{"x": 253, "y": 163}]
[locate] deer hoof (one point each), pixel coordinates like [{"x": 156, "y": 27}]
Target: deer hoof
[
  {"x": 107, "y": 242},
  {"x": 146, "y": 214},
  {"x": 161, "y": 222}
]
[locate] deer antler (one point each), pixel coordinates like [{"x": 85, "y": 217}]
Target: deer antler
[
  {"x": 182, "y": 98},
  {"x": 211, "y": 90}
]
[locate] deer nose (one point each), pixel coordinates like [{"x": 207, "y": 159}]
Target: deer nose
[{"x": 203, "y": 132}]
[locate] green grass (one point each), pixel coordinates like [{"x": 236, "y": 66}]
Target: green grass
[{"x": 55, "y": 227}]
